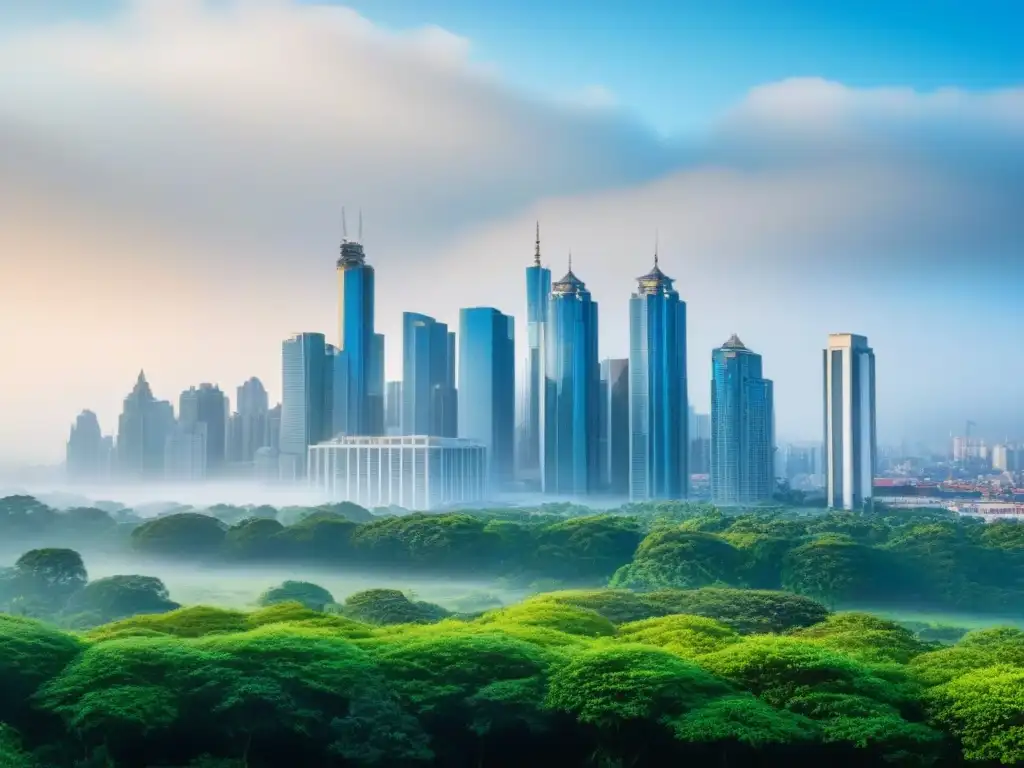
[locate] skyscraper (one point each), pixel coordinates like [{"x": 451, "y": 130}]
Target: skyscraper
[
  {"x": 142, "y": 431},
  {"x": 336, "y": 392},
  {"x": 614, "y": 430},
  {"x": 206, "y": 406},
  {"x": 305, "y": 399},
  {"x": 88, "y": 452},
  {"x": 658, "y": 395},
  {"x": 700, "y": 442},
  {"x": 252, "y": 405},
  {"x": 850, "y": 442},
  {"x": 428, "y": 377},
  {"x": 569, "y": 398},
  {"x": 393, "y": 408},
  {"x": 538, "y": 290},
  {"x": 363, "y": 348},
  {"x": 742, "y": 427},
  {"x": 486, "y": 394}
]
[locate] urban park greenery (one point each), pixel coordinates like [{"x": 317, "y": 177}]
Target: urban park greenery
[{"x": 664, "y": 635}]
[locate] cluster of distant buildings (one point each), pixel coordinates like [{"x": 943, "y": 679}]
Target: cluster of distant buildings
[{"x": 461, "y": 425}]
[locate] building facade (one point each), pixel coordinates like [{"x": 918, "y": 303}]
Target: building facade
[
  {"x": 88, "y": 451},
  {"x": 658, "y": 392},
  {"x": 700, "y": 443},
  {"x": 850, "y": 445},
  {"x": 252, "y": 406},
  {"x": 569, "y": 399},
  {"x": 393, "y": 408},
  {"x": 614, "y": 427},
  {"x": 186, "y": 456},
  {"x": 486, "y": 387},
  {"x": 305, "y": 402},
  {"x": 362, "y": 347},
  {"x": 428, "y": 377},
  {"x": 418, "y": 472},
  {"x": 206, "y": 406},
  {"x": 742, "y": 427},
  {"x": 142, "y": 431},
  {"x": 538, "y": 291}
]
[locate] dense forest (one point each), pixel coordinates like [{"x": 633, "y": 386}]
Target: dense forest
[{"x": 670, "y": 634}]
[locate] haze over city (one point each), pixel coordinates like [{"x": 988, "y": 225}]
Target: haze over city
[{"x": 172, "y": 178}]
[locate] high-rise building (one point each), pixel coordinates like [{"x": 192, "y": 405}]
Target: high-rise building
[
  {"x": 185, "y": 452},
  {"x": 700, "y": 443},
  {"x": 142, "y": 431},
  {"x": 415, "y": 472},
  {"x": 742, "y": 427},
  {"x": 206, "y": 406},
  {"x": 305, "y": 400},
  {"x": 613, "y": 434},
  {"x": 393, "y": 408},
  {"x": 252, "y": 405},
  {"x": 569, "y": 399},
  {"x": 486, "y": 394},
  {"x": 658, "y": 394},
  {"x": 428, "y": 377},
  {"x": 363, "y": 348},
  {"x": 849, "y": 415},
  {"x": 88, "y": 451},
  {"x": 336, "y": 392},
  {"x": 274, "y": 428},
  {"x": 538, "y": 291}
]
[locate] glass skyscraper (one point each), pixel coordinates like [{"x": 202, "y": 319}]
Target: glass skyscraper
[
  {"x": 570, "y": 398},
  {"x": 486, "y": 395},
  {"x": 538, "y": 290},
  {"x": 658, "y": 397},
  {"x": 742, "y": 427},
  {"x": 362, "y": 347},
  {"x": 428, "y": 377},
  {"x": 614, "y": 433},
  {"x": 850, "y": 449},
  {"x": 305, "y": 401}
]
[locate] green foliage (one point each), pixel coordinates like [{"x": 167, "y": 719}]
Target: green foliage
[
  {"x": 186, "y": 535},
  {"x": 194, "y": 621},
  {"x": 48, "y": 576},
  {"x": 865, "y": 637},
  {"x": 31, "y": 653},
  {"x": 616, "y": 605},
  {"x": 118, "y": 597},
  {"x": 744, "y": 719},
  {"x": 389, "y": 606},
  {"x": 678, "y": 558},
  {"x": 608, "y": 685},
  {"x": 549, "y": 614},
  {"x": 983, "y": 709},
  {"x": 310, "y": 595},
  {"x": 12, "y": 755},
  {"x": 831, "y": 568},
  {"x": 745, "y": 610},
  {"x": 687, "y": 636}
]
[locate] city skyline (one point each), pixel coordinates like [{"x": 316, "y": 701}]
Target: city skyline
[{"x": 145, "y": 242}]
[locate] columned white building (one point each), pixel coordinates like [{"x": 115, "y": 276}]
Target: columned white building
[
  {"x": 414, "y": 472},
  {"x": 850, "y": 442}
]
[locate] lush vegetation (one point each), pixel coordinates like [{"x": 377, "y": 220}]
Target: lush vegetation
[
  {"x": 690, "y": 636},
  {"x": 927, "y": 559}
]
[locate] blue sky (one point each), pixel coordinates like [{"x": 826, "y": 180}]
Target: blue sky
[{"x": 677, "y": 62}]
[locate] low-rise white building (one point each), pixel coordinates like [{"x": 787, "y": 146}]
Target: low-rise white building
[{"x": 414, "y": 472}]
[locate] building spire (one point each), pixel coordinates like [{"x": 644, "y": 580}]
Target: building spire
[
  {"x": 655, "y": 249},
  {"x": 344, "y": 226},
  {"x": 570, "y": 261},
  {"x": 536, "y": 247}
]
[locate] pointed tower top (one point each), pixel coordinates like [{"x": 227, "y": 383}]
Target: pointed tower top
[
  {"x": 536, "y": 248},
  {"x": 352, "y": 254},
  {"x": 734, "y": 343},
  {"x": 142, "y": 377},
  {"x": 655, "y": 249},
  {"x": 344, "y": 226}
]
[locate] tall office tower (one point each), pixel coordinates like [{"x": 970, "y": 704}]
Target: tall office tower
[
  {"x": 742, "y": 427},
  {"x": 185, "y": 452},
  {"x": 208, "y": 406},
  {"x": 538, "y": 289},
  {"x": 486, "y": 395},
  {"x": 363, "y": 348},
  {"x": 274, "y": 428},
  {"x": 336, "y": 392},
  {"x": 305, "y": 400},
  {"x": 658, "y": 396},
  {"x": 428, "y": 377},
  {"x": 569, "y": 400},
  {"x": 142, "y": 431},
  {"x": 700, "y": 442},
  {"x": 252, "y": 405},
  {"x": 850, "y": 442},
  {"x": 88, "y": 453},
  {"x": 393, "y": 408},
  {"x": 614, "y": 426}
]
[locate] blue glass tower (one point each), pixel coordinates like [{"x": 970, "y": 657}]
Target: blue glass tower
[
  {"x": 538, "y": 289},
  {"x": 570, "y": 397},
  {"x": 742, "y": 427},
  {"x": 428, "y": 377},
  {"x": 305, "y": 398},
  {"x": 486, "y": 392},
  {"x": 658, "y": 397},
  {"x": 362, "y": 347}
]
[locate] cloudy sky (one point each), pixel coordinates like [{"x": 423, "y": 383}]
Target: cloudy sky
[{"x": 172, "y": 177}]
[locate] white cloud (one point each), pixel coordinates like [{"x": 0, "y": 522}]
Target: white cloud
[{"x": 171, "y": 179}]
